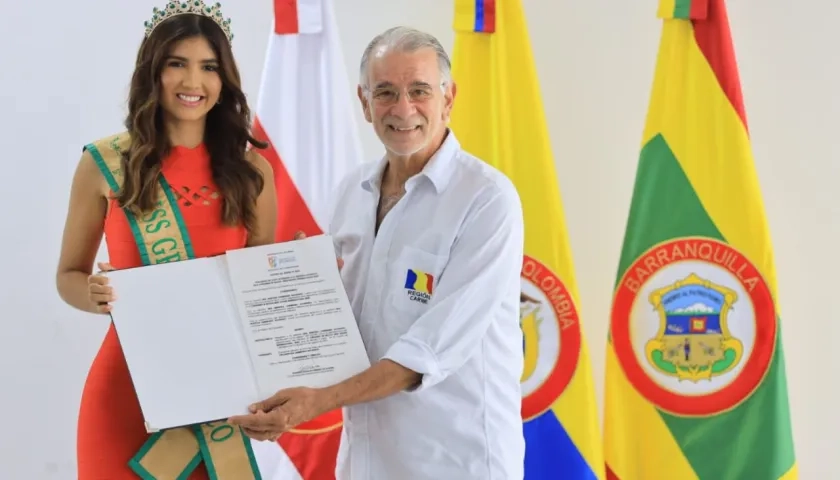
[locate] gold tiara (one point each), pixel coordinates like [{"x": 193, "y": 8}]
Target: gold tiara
[{"x": 194, "y": 7}]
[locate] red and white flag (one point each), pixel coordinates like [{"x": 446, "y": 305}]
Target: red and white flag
[{"x": 305, "y": 112}]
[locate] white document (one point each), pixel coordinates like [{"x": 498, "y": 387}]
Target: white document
[{"x": 205, "y": 338}]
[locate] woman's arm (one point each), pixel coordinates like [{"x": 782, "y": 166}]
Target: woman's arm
[
  {"x": 266, "y": 210},
  {"x": 82, "y": 235}
]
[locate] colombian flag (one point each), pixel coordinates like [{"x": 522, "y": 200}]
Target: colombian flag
[
  {"x": 498, "y": 116},
  {"x": 695, "y": 373}
]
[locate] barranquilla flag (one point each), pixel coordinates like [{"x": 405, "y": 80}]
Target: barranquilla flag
[
  {"x": 305, "y": 111},
  {"x": 695, "y": 372},
  {"x": 498, "y": 116}
]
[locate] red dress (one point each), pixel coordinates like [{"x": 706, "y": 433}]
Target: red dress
[{"x": 110, "y": 428}]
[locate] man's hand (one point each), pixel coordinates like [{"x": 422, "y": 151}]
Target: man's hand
[
  {"x": 300, "y": 236},
  {"x": 281, "y": 412}
]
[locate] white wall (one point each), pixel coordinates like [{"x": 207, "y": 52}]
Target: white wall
[{"x": 64, "y": 83}]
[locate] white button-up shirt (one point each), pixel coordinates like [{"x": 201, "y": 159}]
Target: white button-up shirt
[{"x": 437, "y": 291}]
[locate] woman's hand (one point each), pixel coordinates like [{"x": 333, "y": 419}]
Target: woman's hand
[{"x": 100, "y": 292}]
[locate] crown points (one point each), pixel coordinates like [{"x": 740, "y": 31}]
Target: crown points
[{"x": 195, "y": 7}]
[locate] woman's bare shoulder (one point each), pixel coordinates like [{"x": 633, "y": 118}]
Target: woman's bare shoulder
[{"x": 89, "y": 177}]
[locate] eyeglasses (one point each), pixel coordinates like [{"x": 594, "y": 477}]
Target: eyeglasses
[{"x": 389, "y": 95}]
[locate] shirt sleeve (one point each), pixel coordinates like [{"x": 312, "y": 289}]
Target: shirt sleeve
[{"x": 485, "y": 262}]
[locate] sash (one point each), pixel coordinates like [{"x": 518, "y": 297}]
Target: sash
[{"x": 161, "y": 236}]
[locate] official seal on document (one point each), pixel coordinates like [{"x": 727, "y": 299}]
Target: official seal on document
[
  {"x": 694, "y": 326},
  {"x": 552, "y": 337}
]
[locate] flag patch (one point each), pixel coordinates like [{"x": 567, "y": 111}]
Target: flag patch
[
  {"x": 420, "y": 281},
  {"x": 419, "y": 285}
]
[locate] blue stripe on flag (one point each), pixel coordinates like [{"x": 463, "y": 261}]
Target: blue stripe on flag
[
  {"x": 479, "y": 15},
  {"x": 550, "y": 453}
]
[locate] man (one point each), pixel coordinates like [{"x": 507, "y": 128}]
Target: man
[{"x": 432, "y": 244}]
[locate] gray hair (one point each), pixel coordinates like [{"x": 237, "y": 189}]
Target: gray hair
[{"x": 406, "y": 39}]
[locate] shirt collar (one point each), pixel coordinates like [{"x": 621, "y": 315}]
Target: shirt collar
[{"x": 438, "y": 169}]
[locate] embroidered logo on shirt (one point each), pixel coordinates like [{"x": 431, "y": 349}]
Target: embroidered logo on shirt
[{"x": 419, "y": 285}]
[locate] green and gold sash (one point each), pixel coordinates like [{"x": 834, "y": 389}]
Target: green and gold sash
[{"x": 161, "y": 236}]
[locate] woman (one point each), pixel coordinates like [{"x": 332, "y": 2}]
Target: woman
[{"x": 181, "y": 167}]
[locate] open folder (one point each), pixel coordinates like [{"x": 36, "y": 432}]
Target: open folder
[{"x": 205, "y": 338}]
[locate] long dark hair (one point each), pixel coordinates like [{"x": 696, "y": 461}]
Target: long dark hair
[{"x": 226, "y": 134}]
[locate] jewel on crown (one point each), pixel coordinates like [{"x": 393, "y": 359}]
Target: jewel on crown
[{"x": 195, "y": 7}]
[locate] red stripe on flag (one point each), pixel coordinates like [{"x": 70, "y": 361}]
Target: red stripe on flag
[
  {"x": 293, "y": 214},
  {"x": 489, "y": 16},
  {"x": 314, "y": 455},
  {"x": 611, "y": 475},
  {"x": 699, "y": 9},
  {"x": 715, "y": 41},
  {"x": 285, "y": 17}
]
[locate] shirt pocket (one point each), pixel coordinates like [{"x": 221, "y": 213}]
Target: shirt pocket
[{"x": 415, "y": 275}]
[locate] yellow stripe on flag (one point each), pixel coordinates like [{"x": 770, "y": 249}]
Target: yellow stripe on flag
[
  {"x": 498, "y": 116},
  {"x": 628, "y": 415},
  {"x": 666, "y": 8},
  {"x": 697, "y": 144},
  {"x": 792, "y": 474},
  {"x": 464, "y": 16},
  {"x": 576, "y": 415}
]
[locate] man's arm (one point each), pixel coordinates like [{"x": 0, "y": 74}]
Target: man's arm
[
  {"x": 288, "y": 408},
  {"x": 382, "y": 379}
]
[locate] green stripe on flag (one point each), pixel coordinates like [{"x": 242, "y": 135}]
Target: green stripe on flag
[
  {"x": 753, "y": 441},
  {"x": 682, "y": 9},
  {"x": 661, "y": 187}
]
